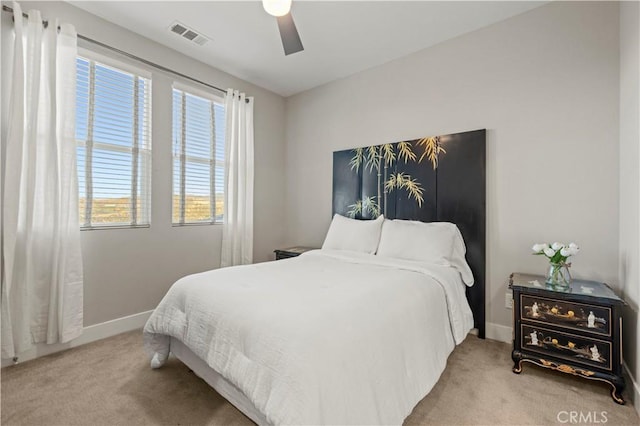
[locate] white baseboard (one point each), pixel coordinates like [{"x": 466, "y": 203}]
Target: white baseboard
[
  {"x": 499, "y": 332},
  {"x": 89, "y": 334},
  {"x": 633, "y": 389}
]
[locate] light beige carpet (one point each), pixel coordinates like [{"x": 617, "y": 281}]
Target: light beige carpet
[{"x": 110, "y": 383}]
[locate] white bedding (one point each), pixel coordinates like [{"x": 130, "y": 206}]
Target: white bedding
[{"x": 328, "y": 337}]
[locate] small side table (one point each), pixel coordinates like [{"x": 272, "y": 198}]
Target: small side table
[
  {"x": 577, "y": 330},
  {"x": 286, "y": 253}
]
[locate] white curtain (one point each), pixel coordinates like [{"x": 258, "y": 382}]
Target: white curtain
[
  {"x": 42, "y": 267},
  {"x": 237, "y": 231}
]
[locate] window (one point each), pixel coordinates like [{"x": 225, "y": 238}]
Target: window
[
  {"x": 113, "y": 134},
  {"x": 198, "y": 158}
]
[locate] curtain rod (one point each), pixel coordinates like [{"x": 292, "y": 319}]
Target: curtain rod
[{"x": 129, "y": 55}]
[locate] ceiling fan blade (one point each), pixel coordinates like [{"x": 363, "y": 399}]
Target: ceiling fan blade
[{"x": 289, "y": 34}]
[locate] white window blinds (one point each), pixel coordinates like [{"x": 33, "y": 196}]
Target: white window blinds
[
  {"x": 113, "y": 133},
  {"x": 198, "y": 159}
]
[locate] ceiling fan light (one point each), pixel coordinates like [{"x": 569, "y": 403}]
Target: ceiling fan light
[{"x": 277, "y": 7}]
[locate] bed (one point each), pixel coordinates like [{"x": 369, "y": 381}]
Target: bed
[{"x": 358, "y": 332}]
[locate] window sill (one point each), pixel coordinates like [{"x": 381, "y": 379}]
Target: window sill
[
  {"x": 105, "y": 227},
  {"x": 178, "y": 225}
]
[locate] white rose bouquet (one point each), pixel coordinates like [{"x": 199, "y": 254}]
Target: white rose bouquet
[{"x": 557, "y": 253}]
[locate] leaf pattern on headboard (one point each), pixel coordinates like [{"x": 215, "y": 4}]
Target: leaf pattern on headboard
[
  {"x": 432, "y": 150},
  {"x": 380, "y": 160}
]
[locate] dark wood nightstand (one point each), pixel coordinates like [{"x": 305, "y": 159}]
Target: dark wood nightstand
[
  {"x": 291, "y": 252},
  {"x": 576, "y": 331}
]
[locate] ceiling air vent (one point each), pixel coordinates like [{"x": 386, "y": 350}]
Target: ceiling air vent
[{"x": 188, "y": 33}]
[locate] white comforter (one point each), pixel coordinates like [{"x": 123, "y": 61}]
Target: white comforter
[{"x": 325, "y": 338}]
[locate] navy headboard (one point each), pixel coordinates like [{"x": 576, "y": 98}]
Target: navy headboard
[{"x": 439, "y": 178}]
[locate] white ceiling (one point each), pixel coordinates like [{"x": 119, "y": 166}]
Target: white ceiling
[{"x": 340, "y": 37}]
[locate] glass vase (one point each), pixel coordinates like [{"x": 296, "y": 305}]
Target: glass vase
[{"x": 558, "y": 275}]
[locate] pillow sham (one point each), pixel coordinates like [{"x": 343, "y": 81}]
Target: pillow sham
[
  {"x": 458, "y": 259},
  {"x": 413, "y": 240},
  {"x": 353, "y": 234},
  {"x": 431, "y": 242}
]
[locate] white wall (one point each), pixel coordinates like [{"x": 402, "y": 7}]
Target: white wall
[
  {"x": 545, "y": 86},
  {"x": 128, "y": 271},
  {"x": 630, "y": 181}
]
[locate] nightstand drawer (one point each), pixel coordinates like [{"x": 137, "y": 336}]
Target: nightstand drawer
[
  {"x": 567, "y": 314},
  {"x": 577, "y": 349}
]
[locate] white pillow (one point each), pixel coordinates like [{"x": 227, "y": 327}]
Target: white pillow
[
  {"x": 458, "y": 259},
  {"x": 353, "y": 234},
  {"x": 419, "y": 241},
  {"x": 430, "y": 242}
]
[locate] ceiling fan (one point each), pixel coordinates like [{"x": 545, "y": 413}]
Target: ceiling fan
[{"x": 281, "y": 9}]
